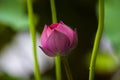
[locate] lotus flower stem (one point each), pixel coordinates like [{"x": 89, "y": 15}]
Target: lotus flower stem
[
  {"x": 97, "y": 40},
  {"x": 57, "y": 58},
  {"x": 58, "y": 67},
  {"x": 33, "y": 36}
]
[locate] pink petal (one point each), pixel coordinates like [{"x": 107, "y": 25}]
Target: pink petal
[
  {"x": 58, "y": 42},
  {"x": 75, "y": 39},
  {"x": 54, "y": 25},
  {"x": 44, "y": 36},
  {"x": 65, "y": 30},
  {"x": 47, "y": 52}
]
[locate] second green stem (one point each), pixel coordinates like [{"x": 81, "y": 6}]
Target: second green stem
[
  {"x": 97, "y": 40},
  {"x": 33, "y": 36}
]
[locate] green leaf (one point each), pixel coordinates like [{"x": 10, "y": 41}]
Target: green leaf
[
  {"x": 112, "y": 22},
  {"x": 12, "y": 13}
]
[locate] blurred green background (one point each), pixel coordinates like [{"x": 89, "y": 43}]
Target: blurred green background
[{"x": 16, "y": 59}]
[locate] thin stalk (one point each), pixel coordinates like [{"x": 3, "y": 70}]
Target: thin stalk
[
  {"x": 67, "y": 68},
  {"x": 57, "y": 58},
  {"x": 97, "y": 40},
  {"x": 58, "y": 67},
  {"x": 33, "y": 36}
]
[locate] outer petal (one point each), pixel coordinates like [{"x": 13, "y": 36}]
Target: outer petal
[
  {"x": 75, "y": 39},
  {"x": 44, "y": 36},
  {"x": 47, "y": 52},
  {"x": 65, "y": 30},
  {"x": 58, "y": 42}
]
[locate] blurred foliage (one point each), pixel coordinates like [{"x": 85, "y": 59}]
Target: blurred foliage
[
  {"x": 5, "y": 76},
  {"x": 6, "y": 35},
  {"x": 12, "y": 13},
  {"x": 105, "y": 63},
  {"x": 112, "y": 22}
]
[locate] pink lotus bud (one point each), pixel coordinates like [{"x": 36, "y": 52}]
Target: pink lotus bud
[{"x": 58, "y": 39}]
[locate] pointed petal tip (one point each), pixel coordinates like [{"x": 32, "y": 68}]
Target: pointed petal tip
[{"x": 47, "y": 52}]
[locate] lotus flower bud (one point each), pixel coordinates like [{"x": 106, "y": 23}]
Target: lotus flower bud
[{"x": 58, "y": 39}]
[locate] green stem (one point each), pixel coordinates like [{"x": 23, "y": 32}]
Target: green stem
[
  {"x": 58, "y": 67},
  {"x": 97, "y": 40},
  {"x": 33, "y": 36},
  {"x": 57, "y": 58},
  {"x": 67, "y": 68}
]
